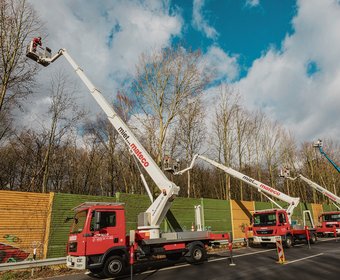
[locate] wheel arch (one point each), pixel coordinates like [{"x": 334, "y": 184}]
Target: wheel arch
[
  {"x": 116, "y": 251},
  {"x": 193, "y": 243}
]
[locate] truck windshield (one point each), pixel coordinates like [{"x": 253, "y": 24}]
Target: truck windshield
[
  {"x": 265, "y": 219},
  {"x": 79, "y": 222},
  {"x": 331, "y": 217}
]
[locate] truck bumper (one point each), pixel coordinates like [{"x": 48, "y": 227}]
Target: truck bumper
[
  {"x": 264, "y": 239},
  {"x": 328, "y": 230},
  {"x": 76, "y": 262}
]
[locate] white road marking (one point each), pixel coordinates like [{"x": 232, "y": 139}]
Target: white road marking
[
  {"x": 241, "y": 255},
  {"x": 214, "y": 260},
  {"x": 302, "y": 259},
  {"x": 236, "y": 256},
  {"x": 328, "y": 239}
]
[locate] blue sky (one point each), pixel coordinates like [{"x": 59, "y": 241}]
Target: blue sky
[
  {"x": 240, "y": 27},
  {"x": 281, "y": 55}
]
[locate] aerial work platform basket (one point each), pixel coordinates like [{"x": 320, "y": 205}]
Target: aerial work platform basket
[{"x": 39, "y": 54}]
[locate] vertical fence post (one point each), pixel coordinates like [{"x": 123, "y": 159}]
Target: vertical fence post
[
  {"x": 246, "y": 237},
  {"x": 307, "y": 236},
  {"x": 230, "y": 246}
]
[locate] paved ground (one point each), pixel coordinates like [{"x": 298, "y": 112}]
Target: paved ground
[{"x": 321, "y": 261}]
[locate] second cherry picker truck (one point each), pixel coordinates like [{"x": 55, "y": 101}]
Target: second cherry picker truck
[
  {"x": 328, "y": 220},
  {"x": 98, "y": 239},
  {"x": 318, "y": 144},
  {"x": 270, "y": 223}
]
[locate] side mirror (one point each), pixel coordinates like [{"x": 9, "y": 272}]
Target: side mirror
[
  {"x": 97, "y": 220},
  {"x": 68, "y": 219}
]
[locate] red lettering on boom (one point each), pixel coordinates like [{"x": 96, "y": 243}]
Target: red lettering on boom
[
  {"x": 139, "y": 155},
  {"x": 269, "y": 189},
  {"x": 330, "y": 196}
]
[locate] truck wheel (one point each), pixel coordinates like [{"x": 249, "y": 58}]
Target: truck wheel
[
  {"x": 288, "y": 243},
  {"x": 114, "y": 266},
  {"x": 313, "y": 238},
  {"x": 197, "y": 254}
]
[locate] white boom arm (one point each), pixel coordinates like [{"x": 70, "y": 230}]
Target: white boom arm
[
  {"x": 335, "y": 199},
  {"x": 168, "y": 190},
  {"x": 292, "y": 201}
]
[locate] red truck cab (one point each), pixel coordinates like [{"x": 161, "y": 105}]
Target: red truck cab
[
  {"x": 267, "y": 224},
  {"x": 98, "y": 229},
  {"x": 328, "y": 221}
]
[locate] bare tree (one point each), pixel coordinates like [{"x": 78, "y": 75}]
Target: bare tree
[
  {"x": 191, "y": 133},
  {"x": 308, "y": 169},
  {"x": 224, "y": 130},
  {"x": 258, "y": 122},
  {"x": 18, "y": 24},
  {"x": 289, "y": 157},
  {"x": 271, "y": 141},
  {"x": 21, "y": 157},
  {"x": 64, "y": 116},
  {"x": 5, "y": 124},
  {"x": 166, "y": 80},
  {"x": 117, "y": 157},
  {"x": 243, "y": 132}
]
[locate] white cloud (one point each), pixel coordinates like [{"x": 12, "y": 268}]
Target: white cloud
[
  {"x": 252, "y": 3},
  {"x": 84, "y": 28},
  {"x": 200, "y": 23},
  {"x": 279, "y": 83},
  {"x": 224, "y": 66},
  {"x": 105, "y": 38}
]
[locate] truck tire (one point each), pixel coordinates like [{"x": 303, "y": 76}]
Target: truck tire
[
  {"x": 114, "y": 266},
  {"x": 197, "y": 254},
  {"x": 96, "y": 270},
  {"x": 288, "y": 243},
  {"x": 313, "y": 238},
  {"x": 2, "y": 256}
]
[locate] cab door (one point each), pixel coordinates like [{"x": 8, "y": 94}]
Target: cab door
[
  {"x": 283, "y": 224},
  {"x": 106, "y": 231}
]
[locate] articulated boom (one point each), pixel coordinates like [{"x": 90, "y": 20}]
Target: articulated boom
[
  {"x": 335, "y": 199},
  {"x": 168, "y": 190},
  {"x": 318, "y": 144},
  {"x": 292, "y": 201}
]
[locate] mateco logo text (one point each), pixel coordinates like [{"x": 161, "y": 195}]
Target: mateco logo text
[
  {"x": 139, "y": 155},
  {"x": 137, "y": 152},
  {"x": 269, "y": 189}
]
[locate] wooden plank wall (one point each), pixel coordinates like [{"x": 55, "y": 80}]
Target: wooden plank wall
[
  {"x": 23, "y": 224},
  {"x": 241, "y": 212},
  {"x": 317, "y": 210}
]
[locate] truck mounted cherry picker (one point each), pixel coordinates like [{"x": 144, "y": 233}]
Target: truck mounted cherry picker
[
  {"x": 98, "y": 239},
  {"x": 329, "y": 219},
  {"x": 270, "y": 223}
]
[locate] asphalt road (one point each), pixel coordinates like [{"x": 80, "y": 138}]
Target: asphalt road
[{"x": 321, "y": 261}]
